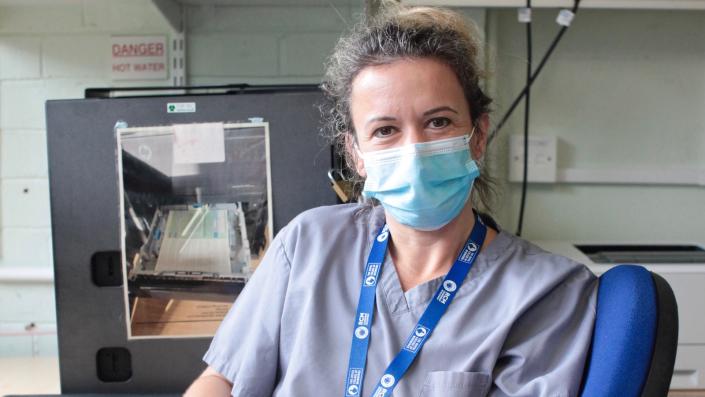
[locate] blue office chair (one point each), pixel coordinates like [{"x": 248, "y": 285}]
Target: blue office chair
[{"x": 634, "y": 342}]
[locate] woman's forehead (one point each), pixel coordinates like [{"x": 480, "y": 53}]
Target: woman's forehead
[{"x": 417, "y": 82}]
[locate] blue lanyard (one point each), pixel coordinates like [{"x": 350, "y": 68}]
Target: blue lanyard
[{"x": 426, "y": 324}]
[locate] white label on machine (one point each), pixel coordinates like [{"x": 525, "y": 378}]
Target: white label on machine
[{"x": 199, "y": 143}]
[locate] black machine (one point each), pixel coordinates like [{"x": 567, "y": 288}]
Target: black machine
[{"x": 111, "y": 211}]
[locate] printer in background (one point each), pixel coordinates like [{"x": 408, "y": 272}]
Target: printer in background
[{"x": 683, "y": 266}]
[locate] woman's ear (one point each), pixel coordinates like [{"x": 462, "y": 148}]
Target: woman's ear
[
  {"x": 478, "y": 143},
  {"x": 354, "y": 154}
]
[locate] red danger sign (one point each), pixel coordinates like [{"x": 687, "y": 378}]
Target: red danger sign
[{"x": 139, "y": 57}]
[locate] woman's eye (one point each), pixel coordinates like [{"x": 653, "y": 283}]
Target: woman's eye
[
  {"x": 383, "y": 132},
  {"x": 439, "y": 122}
]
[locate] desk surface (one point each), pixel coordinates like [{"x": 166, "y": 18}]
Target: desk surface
[{"x": 29, "y": 375}]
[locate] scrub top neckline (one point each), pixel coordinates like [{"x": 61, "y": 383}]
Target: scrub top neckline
[{"x": 417, "y": 298}]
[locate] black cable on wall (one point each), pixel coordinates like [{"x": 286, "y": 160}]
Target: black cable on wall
[
  {"x": 527, "y": 101},
  {"x": 564, "y": 18}
]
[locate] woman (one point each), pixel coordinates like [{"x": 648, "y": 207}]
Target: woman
[{"x": 440, "y": 301}]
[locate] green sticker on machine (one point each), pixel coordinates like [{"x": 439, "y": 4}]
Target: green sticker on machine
[{"x": 181, "y": 107}]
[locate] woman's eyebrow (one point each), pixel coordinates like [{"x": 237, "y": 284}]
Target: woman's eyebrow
[
  {"x": 439, "y": 109},
  {"x": 380, "y": 118}
]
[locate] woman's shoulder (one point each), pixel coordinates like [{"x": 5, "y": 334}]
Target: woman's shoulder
[
  {"x": 330, "y": 215},
  {"x": 330, "y": 218},
  {"x": 534, "y": 284},
  {"x": 333, "y": 226},
  {"x": 539, "y": 269}
]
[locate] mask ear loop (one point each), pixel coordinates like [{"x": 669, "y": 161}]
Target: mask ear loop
[
  {"x": 358, "y": 152},
  {"x": 355, "y": 146},
  {"x": 472, "y": 132}
]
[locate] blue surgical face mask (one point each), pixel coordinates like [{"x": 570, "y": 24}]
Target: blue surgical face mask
[{"x": 422, "y": 185}]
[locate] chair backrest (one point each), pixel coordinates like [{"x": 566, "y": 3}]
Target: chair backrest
[{"x": 635, "y": 336}]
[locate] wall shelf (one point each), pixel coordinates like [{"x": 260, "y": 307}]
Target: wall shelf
[{"x": 605, "y": 4}]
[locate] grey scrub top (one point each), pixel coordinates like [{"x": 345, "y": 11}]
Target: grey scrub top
[{"x": 520, "y": 324}]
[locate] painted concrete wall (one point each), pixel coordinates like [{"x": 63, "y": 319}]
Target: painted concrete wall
[{"x": 624, "y": 88}]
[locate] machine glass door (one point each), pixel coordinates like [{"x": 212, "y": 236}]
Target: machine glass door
[{"x": 196, "y": 219}]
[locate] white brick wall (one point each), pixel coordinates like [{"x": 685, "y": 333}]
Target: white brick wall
[
  {"x": 20, "y": 58},
  {"x": 48, "y": 50},
  {"x": 22, "y": 246},
  {"x": 227, "y": 55},
  {"x": 303, "y": 54},
  {"x": 268, "y": 19},
  {"x": 79, "y": 56},
  {"x": 264, "y": 44},
  {"x": 23, "y": 154},
  {"x": 25, "y": 203},
  {"x": 22, "y": 104},
  {"x": 22, "y": 301},
  {"x": 61, "y": 17}
]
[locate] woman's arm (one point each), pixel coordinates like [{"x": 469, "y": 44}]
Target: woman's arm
[
  {"x": 243, "y": 357},
  {"x": 209, "y": 383}
]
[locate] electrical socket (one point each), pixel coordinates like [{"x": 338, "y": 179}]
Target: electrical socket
[{"x": 543, "y": 153}]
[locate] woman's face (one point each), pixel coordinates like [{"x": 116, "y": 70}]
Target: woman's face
[{"x": 410, "y": 101}]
